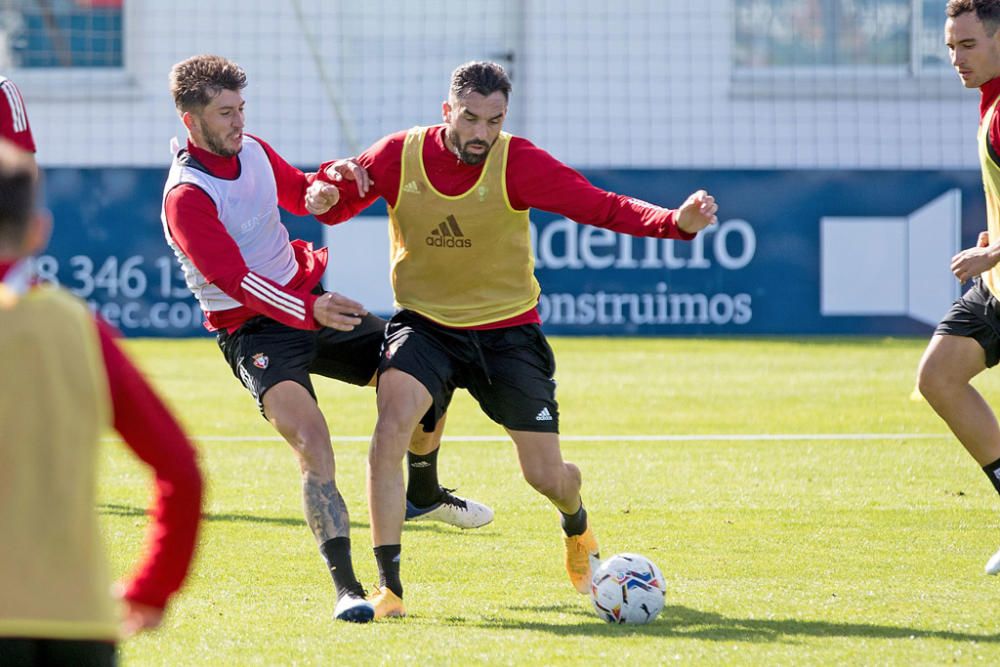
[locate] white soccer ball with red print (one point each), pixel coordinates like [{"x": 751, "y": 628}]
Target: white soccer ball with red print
[{"x": 628, "y": 588}]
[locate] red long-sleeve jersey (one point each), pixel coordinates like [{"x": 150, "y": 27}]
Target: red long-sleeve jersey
[
  {"x": 14, "y": 124},
  {"x": 150, "y": 431},
  {"x": 194, "y": 225},
  {"x": 535, "y": 179}
]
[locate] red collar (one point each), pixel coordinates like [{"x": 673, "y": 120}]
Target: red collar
[
  {"x": 990, "y": 90},
  {"x": 218, "y": 165},
  {"x": 17, "y": 276}
]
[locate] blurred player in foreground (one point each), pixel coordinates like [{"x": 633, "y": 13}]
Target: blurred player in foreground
[
  {"x": 64, "y": 381},
  {"x": 967, "y": 340},
  {"x": 463, "y": 277},
  {"x": 261, "y": 294}
]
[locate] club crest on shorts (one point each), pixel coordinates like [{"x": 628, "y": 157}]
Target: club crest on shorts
[{"x": 260, "y": 360}]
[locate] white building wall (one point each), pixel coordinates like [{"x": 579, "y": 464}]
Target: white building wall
[{"x": 636, "y": 83}]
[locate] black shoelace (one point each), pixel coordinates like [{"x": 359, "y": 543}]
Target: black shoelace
[{"x": 449, "y": 499}]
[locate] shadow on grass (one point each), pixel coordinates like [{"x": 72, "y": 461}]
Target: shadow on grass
[
  {"x": 683, "y": 622},
  {"x": 114, "y": 509}
]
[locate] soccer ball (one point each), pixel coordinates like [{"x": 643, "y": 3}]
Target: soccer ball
[{"x": 628, "y": 588}]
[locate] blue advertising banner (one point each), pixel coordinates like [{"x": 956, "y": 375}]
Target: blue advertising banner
[{"x": 795, "y": 252}]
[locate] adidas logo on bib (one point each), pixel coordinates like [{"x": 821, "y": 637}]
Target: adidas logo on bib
[
  {"x": 544, "y": 416},
  {"x": 448, "y": 235}
]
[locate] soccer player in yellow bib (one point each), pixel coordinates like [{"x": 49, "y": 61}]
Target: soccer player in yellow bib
[
  {"x": 64, "y": 382},
  {"x": 459, "y": 194},
  {"x": 967, "y": 340}
]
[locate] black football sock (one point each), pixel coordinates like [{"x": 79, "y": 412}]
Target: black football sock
[
  {"x": 422, "y": 487},
  {"x": 992, "y": 471},
  {"x": 575, "y": 524},
  {"x": 387, "y": 557},
  {"x": 337, "y": 554}
]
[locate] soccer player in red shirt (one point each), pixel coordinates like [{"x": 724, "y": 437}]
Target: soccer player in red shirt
[
  {"x": 462, "y": 274},
  {"x": 261, "y": 294},
  {"x": 64, "y": 381},
  {"x": 967, "y": 340},
  {"x": 14, "y": 125}
]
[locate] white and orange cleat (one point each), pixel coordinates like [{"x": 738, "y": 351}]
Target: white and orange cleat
[
  {"x": 582, "y": 556},
  {"x": 387, "y": 604}
]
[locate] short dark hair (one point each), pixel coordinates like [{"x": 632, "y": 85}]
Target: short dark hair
[
  {"x": 480, "y": 77},
  {"x": 17, "y": 193},
  {"x": 195, "y": 81},
  {"x": 987, "y": 11}
]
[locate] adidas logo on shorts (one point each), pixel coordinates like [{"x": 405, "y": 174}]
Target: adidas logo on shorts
[{"x": 544, "y": 416}]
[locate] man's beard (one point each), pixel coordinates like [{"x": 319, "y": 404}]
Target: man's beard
[
  {"x": 215, "y": 144},
  {"x": 465, "y": 155}
]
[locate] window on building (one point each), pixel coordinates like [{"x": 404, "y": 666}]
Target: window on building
[
  {"x": 45, "y": 34},
  {"x": 907, "y": 35}
]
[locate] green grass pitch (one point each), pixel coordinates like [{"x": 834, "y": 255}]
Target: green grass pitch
[{"x": 776, "y": 552}]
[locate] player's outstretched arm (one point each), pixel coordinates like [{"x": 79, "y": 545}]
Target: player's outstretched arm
[
  {"x": 153, "y": 434},
  {"x": 697, "y": 212}
]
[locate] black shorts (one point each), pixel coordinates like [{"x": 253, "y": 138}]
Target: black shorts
[
  {"x": 510, "y": 371},
  {"x": 974, "y": 315},
  {"x": 29, "y": 652},
  {"x": 264, "y": 352}
]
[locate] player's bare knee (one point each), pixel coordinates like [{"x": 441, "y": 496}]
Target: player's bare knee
[
  {"x": 934, "y": 383},
  {"x": 389, "y": 443},
  {"x": 926, "y": 383},
  {"x": 393, "y": 427}
]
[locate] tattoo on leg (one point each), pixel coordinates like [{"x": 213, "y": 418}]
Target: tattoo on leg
[{"x": 326, "y": 511}]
